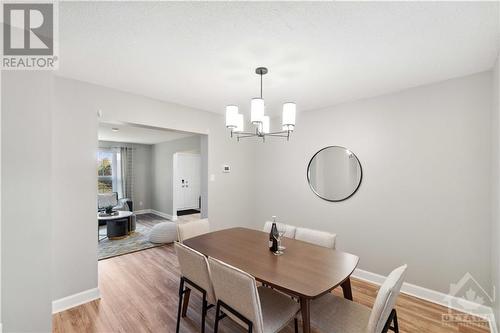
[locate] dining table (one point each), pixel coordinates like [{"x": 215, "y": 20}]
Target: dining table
[{"x": 305, "y": 271}]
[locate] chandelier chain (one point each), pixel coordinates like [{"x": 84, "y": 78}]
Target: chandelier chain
[{"x": 261, "y": 85}]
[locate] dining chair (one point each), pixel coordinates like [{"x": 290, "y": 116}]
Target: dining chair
[
  {"x": 192, "y": 229},
  {"x": 321, "y": 238},
  {"x": 289, "y": 229},
  {"x": 259, "y": 309},
  {"x": 335, "y": 314},
  {"x": 195, "y": 274}
]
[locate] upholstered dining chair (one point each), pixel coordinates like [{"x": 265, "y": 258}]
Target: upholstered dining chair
[
  {"x": 333, "y": 314},
  {"x": 259, "y": 309},
  {"x": 195, "y": 274},
  {"x": 289, "y": 229},
  {"x": 321, "y": 238},
  {"x": 192, "y": 229}
]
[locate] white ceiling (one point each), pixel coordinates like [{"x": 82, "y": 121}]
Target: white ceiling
[
  {"x": 137, "y": 134},
  {"x": 203, "y": 54}
]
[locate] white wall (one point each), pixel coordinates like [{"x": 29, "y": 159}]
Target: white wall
[
  {"x": 26, "y": 209},
  {"x": 0, "y": 203},
  {"x": 75, "y": 259},
  {"x": 425, "y": 197},
  {"x": 142, "y": 172},
  {"x": 74, "y": 179},
  {"x": 495, "y": 188},
  {"x": 163, "y": 194}
]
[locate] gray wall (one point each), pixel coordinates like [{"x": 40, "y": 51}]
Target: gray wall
[
  {"x": 204, "y": 175},
  {"x": 75, "y": 258},
  {"x": 142, "y": 168},
  {"x": 74, "y": 179},
  {"x": 425, "y": 197},
  {"x": 495, "y": 188},
  {"x": 26, "y": 209},
  {"x": 163, "y": 170}
]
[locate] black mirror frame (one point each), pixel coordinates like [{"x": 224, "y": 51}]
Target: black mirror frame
[{"x": 309, "y": 178}]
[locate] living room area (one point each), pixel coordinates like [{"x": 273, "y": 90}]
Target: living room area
[{"x": 145, "y": 177}]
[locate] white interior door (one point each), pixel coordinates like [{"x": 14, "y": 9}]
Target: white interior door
[{"x": 188, "y": 181}]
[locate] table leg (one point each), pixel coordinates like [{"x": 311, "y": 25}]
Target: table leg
[
  {"x": 346, "y": 288},
  {"x": 306, "y": 319}
]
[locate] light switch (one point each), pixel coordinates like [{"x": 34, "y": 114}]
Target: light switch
[
  {"x": 226, "y": 168},
  {"x": 212, "y": 177}
]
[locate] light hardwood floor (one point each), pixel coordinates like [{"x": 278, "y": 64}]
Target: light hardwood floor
[{"x": 139, "y": 294}]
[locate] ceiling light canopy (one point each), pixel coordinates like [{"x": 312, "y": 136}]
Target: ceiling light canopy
[{"x": 235, "y": 120}]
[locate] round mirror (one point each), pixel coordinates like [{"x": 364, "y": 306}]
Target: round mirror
[{"x": 334, "y": 173}]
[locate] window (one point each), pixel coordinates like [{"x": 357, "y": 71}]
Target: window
[
  {"x": 109, "y": 178},
  {"x": 104, "y": 171}
]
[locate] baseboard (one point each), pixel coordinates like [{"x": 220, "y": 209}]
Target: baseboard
[
  {"x": 142, "y": 211},
  {"x": 165, "y": 215},
  {"x": 74, "y": 300},
  {"x": 433, "y": 296}
]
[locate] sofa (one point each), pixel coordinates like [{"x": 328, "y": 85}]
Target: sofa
[{"x": 111, "y": 199}]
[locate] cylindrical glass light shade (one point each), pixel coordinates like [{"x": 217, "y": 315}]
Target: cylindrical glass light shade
[
  {"x": 257, "y": 110},
  {"x": 231, "y": 116},
  {"x": 265, "y": 124},
  {"x": 288, "y": 121},
  {"x": 240, "y": 123}
]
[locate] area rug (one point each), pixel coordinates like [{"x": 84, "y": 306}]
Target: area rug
[{"x": 135, "y": 242}]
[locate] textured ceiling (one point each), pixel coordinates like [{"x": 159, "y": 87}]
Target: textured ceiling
[{"x": 203, "y": 54}]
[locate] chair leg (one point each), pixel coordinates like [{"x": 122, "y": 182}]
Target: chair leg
[
  {"x": 181, "y": 293},
  {"x": 395, "y": 320},
  {"x": 186, "y": 302},
  {"x": 217, "y": 310},
  {"x": 203, "y": 312},
  {"x": 296, "y": 324}
]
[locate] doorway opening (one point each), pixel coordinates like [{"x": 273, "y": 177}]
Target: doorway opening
[
  {"x": 186, "y": 186},
  {"x": 138, "y": 169}
]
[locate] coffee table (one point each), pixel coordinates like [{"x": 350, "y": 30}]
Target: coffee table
[{"x": 117, "y": 226}]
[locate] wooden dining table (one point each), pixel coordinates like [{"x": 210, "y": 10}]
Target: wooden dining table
[{"x": 305, "y": 271}]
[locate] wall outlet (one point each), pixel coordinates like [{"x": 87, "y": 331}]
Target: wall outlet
[{"x": 140, "y": 203}]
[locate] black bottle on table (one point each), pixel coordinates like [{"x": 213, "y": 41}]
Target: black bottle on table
[{"x": 273, "y": 238}]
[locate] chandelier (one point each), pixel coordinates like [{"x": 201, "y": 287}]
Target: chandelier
[{"x": 235, "y": 121}]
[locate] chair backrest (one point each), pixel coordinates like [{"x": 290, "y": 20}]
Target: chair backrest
[
  {"x": 107, "y": 199},
  {"x": 194, "y": 266},
  {"x": 192, "y": 229},
  {"x": 237, "y": 289},
  {"x": 290, "y": 229},
  {"x": 386, "y": 299},
  {"x": 321, "y": 238}
]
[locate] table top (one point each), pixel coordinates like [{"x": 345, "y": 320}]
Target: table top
[
  {"x": 305, "y": 270},
  {"x": 121, "y": 214}
]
